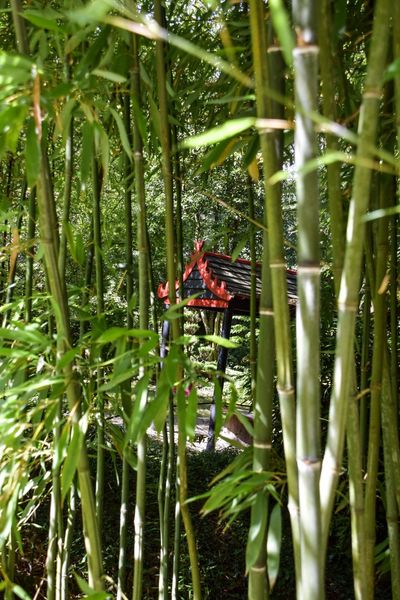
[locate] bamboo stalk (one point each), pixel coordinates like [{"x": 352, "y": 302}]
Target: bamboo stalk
[
  {"x": 99, "y": 274},
  {"x": 392, "y": 509},
  {"x": 253, "y": 294},
  {"x": 126, "y": 392},
  {"x": 143, "y": 321},
  {"x": 49, "y": 237},
  {"x": 171, "y": 272},
  {"x": 278, "y": 276},
  {"x": 30, "y": 253},
  {"x": 329, "y": 103},
  {"x": 305, "y": 62},
  {"x": 68, "y": 175},
  {"x": 349, "y": 288},
  {"x": 68, "y": 538}
]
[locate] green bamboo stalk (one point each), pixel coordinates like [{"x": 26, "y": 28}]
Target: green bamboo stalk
[
  {"x": 380, "y": 310},
  {"x": 12, "y": 271},
  {"x": 264, "y": 393},
  {"x": 29, "y": 256},
  {"x": 87, "y": 279},
  {"x": 177, "y": 531},
  {"x": 329, "y": 104},
  {"x": 68, "y": 174},
  {"x": 305, "y": 62},
  {"x": 162, "y": 493},
  {"x": 395, "y": 221},
  {"x": 253, "y": 292},
  {"x": 54, "y": 535},
  {"x": 357, "y": 421},
  {"x": 126, "y": 389},
  {"x": 349, "y": 288},
  {"x": 365, "y": 371},
  {"x": 356, "y": 498},
  {"x": 171, "y": 272},
  {"x": 143, "y": 322},
  {"x": 99, "y": 273},
  {"x": 67, "y": 544},
  {"x": 392, "y": 509},
  {"x": 278, "y": 275},
  {"x": 48, "y": 233}
]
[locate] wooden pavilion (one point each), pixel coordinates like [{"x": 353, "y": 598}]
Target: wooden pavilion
[{"x": 220, "y": 284}]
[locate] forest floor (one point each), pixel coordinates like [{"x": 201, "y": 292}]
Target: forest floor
[{"x": 221, "y": 549}]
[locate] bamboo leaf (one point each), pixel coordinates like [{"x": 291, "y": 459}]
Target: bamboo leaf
[
  {"x": 217, "y": 339},
  {"x": 20, "y": 592},
  {"x": 71, "y": 461},
  {"x": 257, "y": 529},
  {"x": 219, "y": 133},
  {"x": 122, "y": 133},
  {"x": 380, "y": 213},
  {"x": 118, "y": 379},
  {"x": 90, "y": 592},
  {"x": 393, "y": 70},
  {"x": 136, "y": 423},
  {"x": 109, "y": 75},
  {"x": 281, "y": 22},
  {"x": 274, "y": 541},
  {"x": 173, "y": 311},
  {"x": 46, "y": 18},
  {"x": 239, "y": 247},
  {"x": 253, "y": 170},
  {"x": 113, "y": 333}
]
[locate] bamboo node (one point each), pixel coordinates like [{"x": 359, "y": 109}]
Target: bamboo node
[
  {"x": 266, "y": 312},
  {"x": 262, "y": 445},
  {"x": 348, "y": 306},
  {"x": 277, "y": 265},
  {"x": 288, "y": 390},
  {"x": 316, "y": 269},
  {"x": 309, "y": 463},
  {"x": 373, "y": 93},
  {"x": 258, "y": 569}
]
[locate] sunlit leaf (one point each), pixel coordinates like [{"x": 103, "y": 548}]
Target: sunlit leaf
[
  {"x": 110, "y": 75},
  {"x": 46, "y": 18},
  {"x": 281, "y": 22},
  {"x": 122, "y": 133},
  {"x": 219, "y": 133},
  {"x": 257, "y": 531},
  {"x": 217, "y": 339},
  {"x": 274, "y": 541}
]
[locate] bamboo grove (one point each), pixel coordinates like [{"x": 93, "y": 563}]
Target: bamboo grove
[{"x": 127, "y": 131}]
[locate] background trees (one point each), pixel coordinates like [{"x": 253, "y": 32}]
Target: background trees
[{"x": 124, "y": 137}]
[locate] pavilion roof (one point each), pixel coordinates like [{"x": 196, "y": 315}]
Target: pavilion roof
[{"x": 221, "y": 283}]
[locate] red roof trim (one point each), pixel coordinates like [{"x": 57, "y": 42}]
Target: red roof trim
[
  {"x": 217, "y": 288},
  {"x": 199, "y": 258},
  {"x": 163, "y": 290},
  {"x": 207, "y": 302}
]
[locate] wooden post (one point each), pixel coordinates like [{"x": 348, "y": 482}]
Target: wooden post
[{"x": 221, "y": 367}]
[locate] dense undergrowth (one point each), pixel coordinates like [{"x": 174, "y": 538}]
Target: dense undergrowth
[{"x": 222, "y": 549}]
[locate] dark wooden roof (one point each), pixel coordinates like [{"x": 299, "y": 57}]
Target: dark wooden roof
[{"x": 220, "y": 283}]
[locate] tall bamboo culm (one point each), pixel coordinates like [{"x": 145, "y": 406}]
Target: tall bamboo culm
[
  {"x": 306, "y": 63},
  {"x": 49, "y": 236},
  {"x": 143, "y": 273},
  {"x": 278, "y": 274},
  {"x": 165, "y": 142},
  {"x": 350, "y": 280}
]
